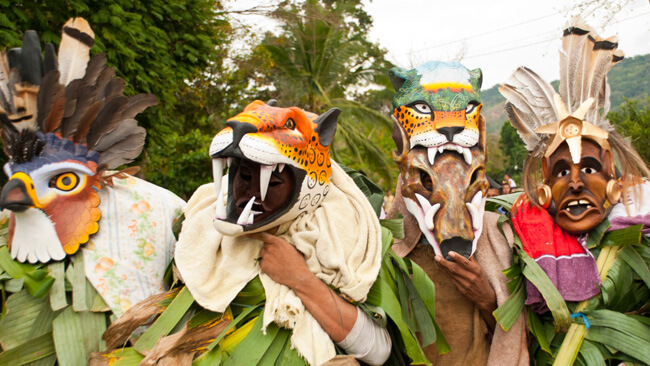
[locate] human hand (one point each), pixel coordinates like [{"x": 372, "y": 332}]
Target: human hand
[
  {"x": 468, "y": 277},
  {"x": 281, "y": 261}
]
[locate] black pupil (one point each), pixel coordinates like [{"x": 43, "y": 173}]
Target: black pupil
[{"x": 66, "y": 181}]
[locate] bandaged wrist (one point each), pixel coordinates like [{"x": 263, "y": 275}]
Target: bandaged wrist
[{"x": 367, "y": 341}]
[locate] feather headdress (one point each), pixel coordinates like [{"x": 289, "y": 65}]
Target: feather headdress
[
  {"x": 76, "y": 98},
  {"x": 535, "y": 109}
]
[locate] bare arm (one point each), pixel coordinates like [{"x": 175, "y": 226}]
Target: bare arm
[
  {"x": 468, "y": 277},
  {"x": 285, "y": 265}
]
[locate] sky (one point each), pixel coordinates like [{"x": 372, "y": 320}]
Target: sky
[{"x": 496, "y": 36}]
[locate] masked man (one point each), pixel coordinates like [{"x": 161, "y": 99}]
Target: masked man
[
  {"x": 441, "y": 153},
  {"x": 289, "y": 214},
  {"x": 579, "y": 195}
]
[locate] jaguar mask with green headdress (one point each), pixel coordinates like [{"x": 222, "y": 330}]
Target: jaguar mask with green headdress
[{"x": 441, "y": 151}]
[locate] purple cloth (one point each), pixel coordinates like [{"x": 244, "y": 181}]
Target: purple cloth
[
  {"x": 575, "y": 277},
  {"x": 623, "y": 222}
]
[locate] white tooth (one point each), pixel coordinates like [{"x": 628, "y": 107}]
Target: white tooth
[
  {"x": 251, "y": 218},
  {"x": 459, "y": 149},
  {"x": 217, "y": 173},
  {"x": 473, "y": 211},
  {"x": 416, "y": 211},
  {"x": 441, "y": 149},
  {"x": 432, "y": 154},
  {"x": 280, "y": 167},
  {"x": 243, "y": 217},
  {"x": 584, "y": 202},
  {"x": 467, "y": 154},
  {"x": 424, "y": 203},
  {"x": 221, "y": 207},
  {"x": 477, "y": 199},
  {"x": 265, "y": 177},
  {"x": 573, "y": 203},
  {"x": 229, "y": 161},
  {"x": 428, "y": 218},
  {"x": 474, "y": 208}
]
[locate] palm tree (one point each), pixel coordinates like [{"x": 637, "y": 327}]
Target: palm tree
[{"x": 318, "y": 62}]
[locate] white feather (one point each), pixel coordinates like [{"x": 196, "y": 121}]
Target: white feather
[
  {"x": 35, "y": 239},
  {"x": 74, "y": 55}
]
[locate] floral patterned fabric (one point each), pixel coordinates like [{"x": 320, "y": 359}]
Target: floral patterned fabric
[{"x": 127, "y": 258}]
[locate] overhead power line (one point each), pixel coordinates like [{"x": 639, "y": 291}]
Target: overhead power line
[
  {"x": 484, "y": 33},
  {"x": 542, "y": 41}
]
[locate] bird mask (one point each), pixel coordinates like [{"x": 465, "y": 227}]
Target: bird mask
[{"x": 60, "y": 137}]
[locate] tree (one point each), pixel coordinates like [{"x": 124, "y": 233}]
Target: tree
[
  {"x": 317, "y": 62},
  {"x": 496, "y": 163},
  {"x": 632, "y": 119},
  {"x": 156, "y": 46},
  {"x": 514, "y": 151}
]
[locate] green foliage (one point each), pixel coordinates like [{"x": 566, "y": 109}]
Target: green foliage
[
  {"x": 630, "y": 79},
  {"x": 320, "y": 55},
  {"x": 181, "y": 164},
  {"x": 619, "y": 327},
  {"x": 497, "y": 163},
  {"x": 632, "y": 119},
  {"x": 514, "y": 151}
]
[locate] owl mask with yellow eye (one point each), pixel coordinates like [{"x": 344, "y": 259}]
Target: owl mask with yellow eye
[{"x": 63, "y": 126}]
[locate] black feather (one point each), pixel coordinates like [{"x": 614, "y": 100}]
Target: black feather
[
  {"x": 125, "y": 150},
  {"x": 94, "y": 69},
  {"x": 85, "y": 99},
  {"x": 71, "y": 94},
  {"x": 49, "y": 62},
  {"x": 49, "y": 91},
  {"x": 13, "y": 58},
  {"x": 137, "y": 104},
  {"x": 106, "y": 120},
  {"x": 30, "y": 59},
  {"x": 26, "y": 147}
]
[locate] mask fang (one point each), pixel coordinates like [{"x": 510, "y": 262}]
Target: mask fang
[{"x": 244, "y": 216}]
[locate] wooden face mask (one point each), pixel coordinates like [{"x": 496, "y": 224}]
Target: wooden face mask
[
  {"x": 278, "y": 166},
  {"x": 440, "y": 136},
  {"x": 579, "y": 190}
]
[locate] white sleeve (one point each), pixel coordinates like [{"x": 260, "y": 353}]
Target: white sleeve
[{"x": 367, "y": 341}]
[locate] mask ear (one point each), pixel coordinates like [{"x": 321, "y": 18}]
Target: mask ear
[
  {"x": 482, "y": 130},
  {"x": 401, "y": 139},
  {"x": 476, "y": 79},
  {"x": 397, "y": 77},
  {"x": 326, "y": 128}
]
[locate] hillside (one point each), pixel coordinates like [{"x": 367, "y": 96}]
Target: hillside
[{"x": 629, "y": 79}]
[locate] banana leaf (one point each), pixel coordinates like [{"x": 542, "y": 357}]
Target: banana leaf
[
  {"x": 68, "y": 337},
  {"x": 254, "y": 346},
  {"x": 535, "y": 274},
  {"x": 166, "y": 322},
  {"x": 636, "y": 262},
  {"x": 22, "y": 311},
  {"x": 591, "y": 354},
  {"x": 629, "y": 235},
  {"x": 30, "y": 351},
  {"x": 120, "y": 357},
  {"x": 509, "y": 311}
]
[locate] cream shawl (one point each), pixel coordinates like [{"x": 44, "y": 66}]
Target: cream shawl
[{"x": 340, "y": 240}]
